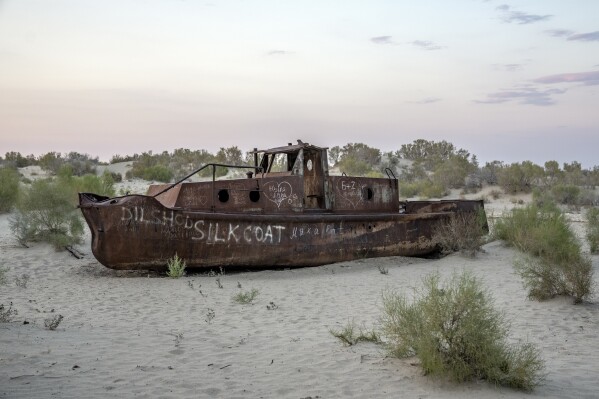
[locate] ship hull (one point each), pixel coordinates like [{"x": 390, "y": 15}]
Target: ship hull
[{"x": 138, "y": 232}]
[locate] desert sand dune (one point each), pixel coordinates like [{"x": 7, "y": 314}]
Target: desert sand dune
[{"x": 133, "y": 334}]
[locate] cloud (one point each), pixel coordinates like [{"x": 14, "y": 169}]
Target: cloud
[
  {"x": 586, "y": 37},
  {"x": 590, "y": 78},
  {"x": 570, "y": 35},
  {"x": 427, "y": 100},
  {"x": 524, "y": 95},
  {"x": 279, "y": 52},
  {"x": 519, "y": 17},
  {"x": 426, "y": 45},
  {"x": 559, "y": 32},
  {"x": 422, "y": 44},
  {"x": 382, "y": 39},
  {"x": 508, "y": 67}
]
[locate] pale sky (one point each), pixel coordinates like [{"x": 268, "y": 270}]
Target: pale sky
[{"x": 512, "y": 81}]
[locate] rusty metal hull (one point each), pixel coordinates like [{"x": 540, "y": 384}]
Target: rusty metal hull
[{"x": 139, "y": 232}]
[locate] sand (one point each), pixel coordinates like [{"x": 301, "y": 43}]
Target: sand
[{"x": 134, "y": 334}]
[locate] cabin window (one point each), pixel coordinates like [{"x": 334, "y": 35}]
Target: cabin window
[
  {"x": 223, "y": 195},
  {"x": 368, "y": 193},
  {"x": 254, "y": 195}
]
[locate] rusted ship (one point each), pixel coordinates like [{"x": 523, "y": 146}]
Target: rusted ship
[{"x": 287, "y": 212}]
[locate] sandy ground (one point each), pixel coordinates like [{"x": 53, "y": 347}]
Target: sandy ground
[{"x": 130, "y": 334}]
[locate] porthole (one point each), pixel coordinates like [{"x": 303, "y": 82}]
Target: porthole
[
  {"x": 223, "y": 195},
  {"x": 368, "y": 193},
  {"x": 254, "y": 195}
]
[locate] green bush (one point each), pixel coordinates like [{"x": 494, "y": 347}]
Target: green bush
[
  {"x": 455, "y": 331},
  {"x": 556, "y": 265},
  {"x": 566, "y": 194},
  {"x": 592, "y": 229},
  {"x": 175, "y": 267},
  {"x": 544, "y": 279},
  {"x": 354, "y": 167},
  {"x": 45, "y": 212},
  {"x": 452, "y": 172},
  {"x": 9, "y": 188},
  {"x": 80, "y": 164},
  {"x": 157, "y": 172},
  {"x": 103, "y": 185},
  {"x": 422, "y": 188},
  {"x": 246, "y": 297},
  {"x": 351, "y": 334},
  {"x": 519, "y": 177}
]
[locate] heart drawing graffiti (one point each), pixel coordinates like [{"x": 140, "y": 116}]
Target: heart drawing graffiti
[
  {"x": 350, "y": 191},
  {"x": 279, "y": 192}
]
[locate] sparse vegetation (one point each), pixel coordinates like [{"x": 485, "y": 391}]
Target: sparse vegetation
[
  {"x": 422, "y": 188},
  {"x": 592, "y": 229},
  {"x": 175, "y": 267},
  {"x": 7, "y": 313},
  {"x": 455, "y": 331},
  {"x": 22, "y": 280},
  {"x": 178, "y": 338},
  {"x": 45, "y": 212},
  {"x": 556, "y": 265},
  {"x": 2, "y": 275},
  {"x": 463, "y": 232},
  {"x": 246, "y": 297},
  {"x": 80, "y": 164},
  {"x": 519, "y": 177},
  {"x": 350, "y": 334},
  {"x": 53, "y": 322},
  {"x": 9, "y": 188},
  {"x": 210, "y": 315}
]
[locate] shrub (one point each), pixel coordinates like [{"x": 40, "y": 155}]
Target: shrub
[
  {"x": 116, "y": 177},
  {"x": 462, "y": 232},
  {"x": 53, "y": 322},
  {"x": 2, "y": 275},
  {"x": 176, "y": 267},
  {"x": 45, "y": 213},
  {"x": 9, "y": 188},
  {"x": 566, "y": 194},
  {"x": 545, "y": 280},
  {"x": 559, "y": 267},
  {"x": 431, "y": 154},
  {"x": 103, "y": 185},
  {"x": 592, "y": 229},
  {"x": 452, "y": 173},
  {"x": 349, "y": 334},
  {"x": 423, "y": 188},
  {"x": 7, "y": 313},
  {"x": 157, "y": 172},
  {"x": 22, "y": 280},
  {"x": 519, "y": 177},
  {"x": 246, "y": 297},
  {"x": 80, "y": 164},
  {"x": 455, "y": 332}
]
